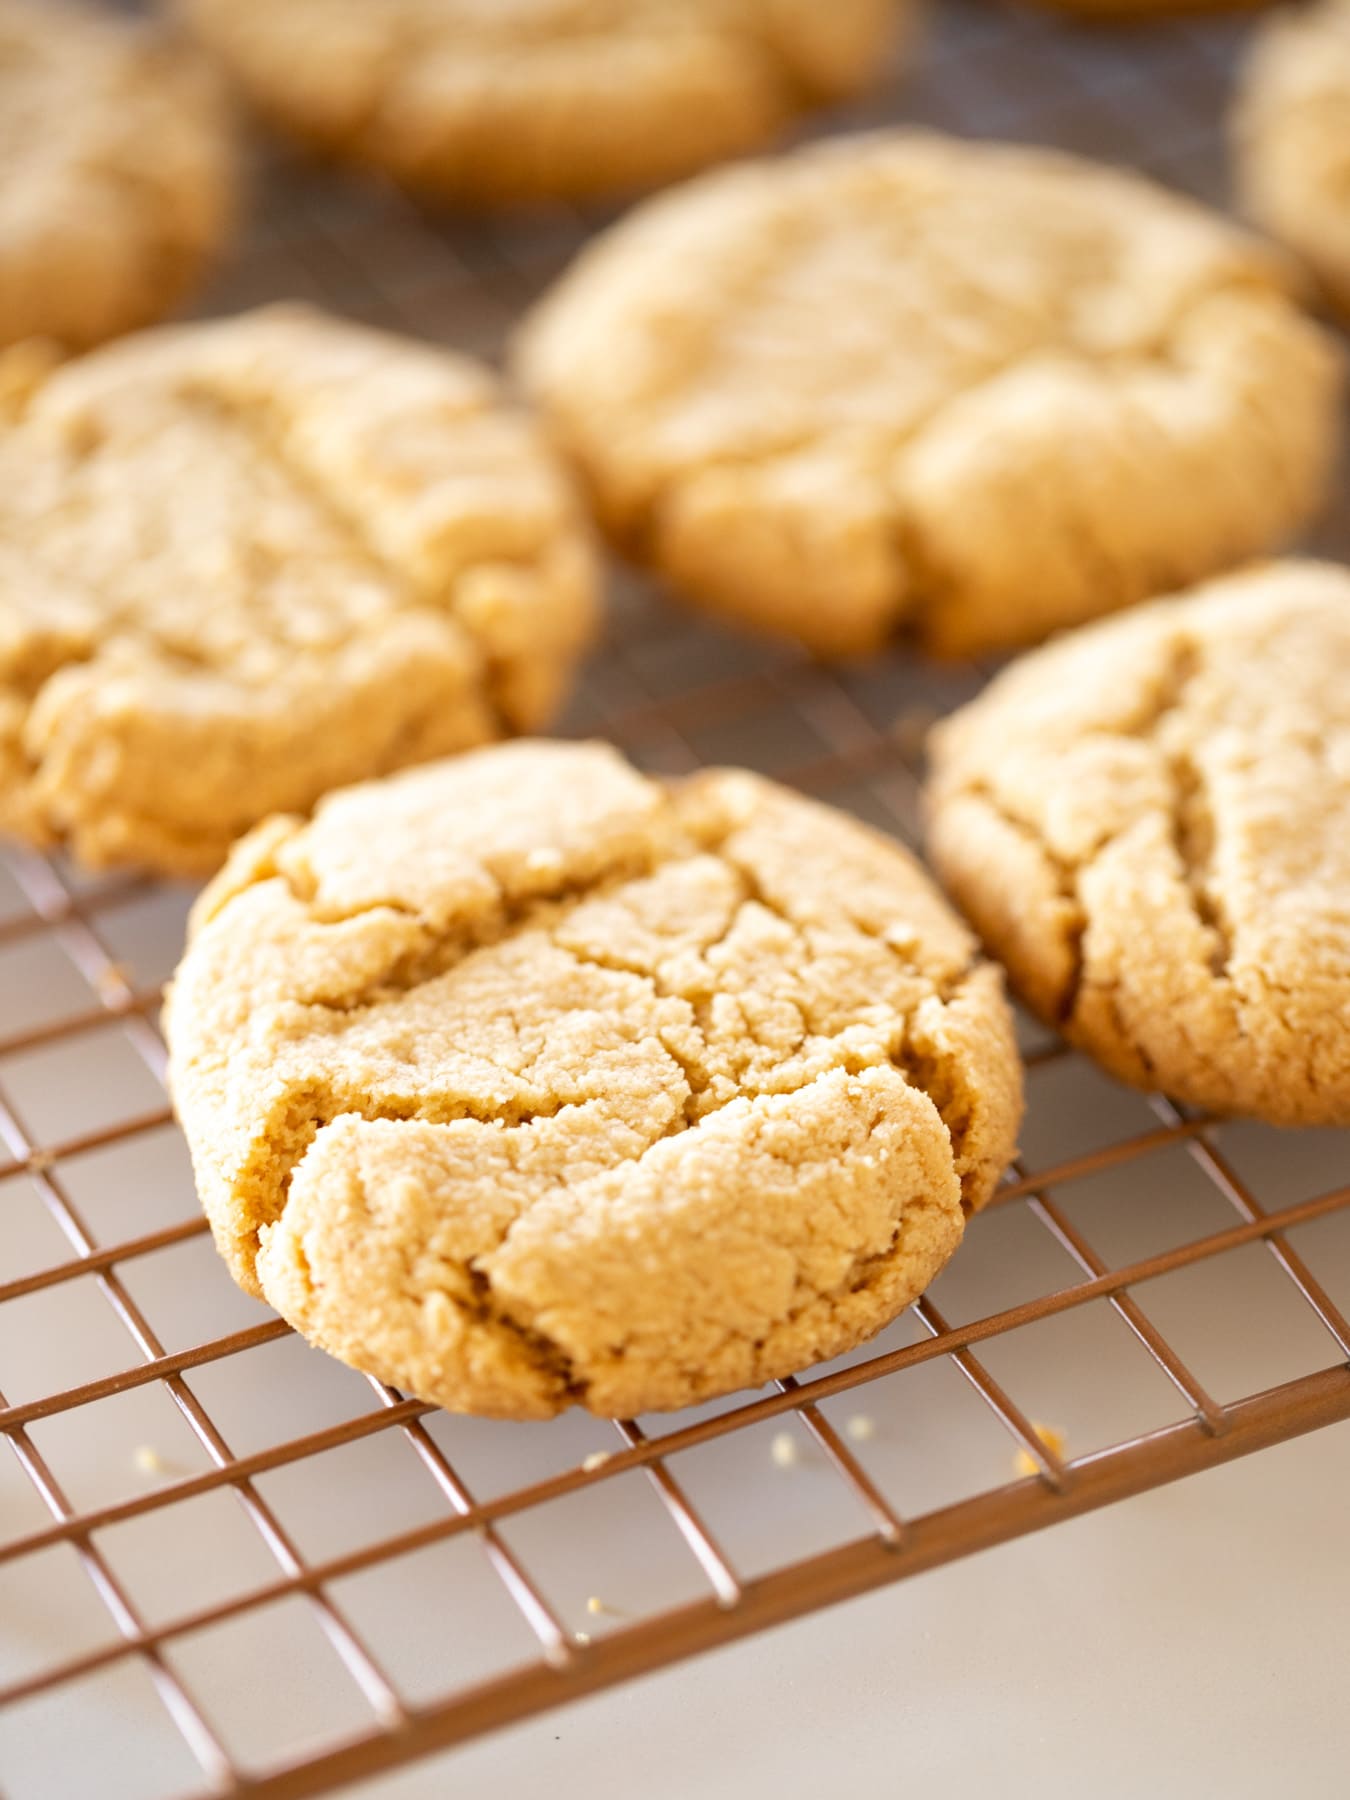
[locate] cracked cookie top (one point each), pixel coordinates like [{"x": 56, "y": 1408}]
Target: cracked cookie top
[
  {"x": 481, "y": 102},
  {"x": 244, "y": 562},
  {"x": 118, "y": 173},
  {"x": 1292, "y": 137},
  {"x": 903, "y": 382},
  {"x": 1149, "y": 824},
  {"x": 523, "y": 1080}
]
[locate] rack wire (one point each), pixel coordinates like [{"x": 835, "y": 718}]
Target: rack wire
[{"x": 144, "y": 1401}]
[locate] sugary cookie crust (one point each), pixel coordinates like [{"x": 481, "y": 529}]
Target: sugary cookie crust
[
  {"x": 972, "y": 392},
  {"x": 1148, "y": 822},
  {"x": 523, "y": 1080},
  {"x": 1292, "y": 137},
  {"x": 479, "y": 103},
  {"x": 244, "y": 562},
  {"x": 119, "y": 176}
]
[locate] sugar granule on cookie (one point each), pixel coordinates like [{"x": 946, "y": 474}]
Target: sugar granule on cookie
[
  {"x": 901, "y": 383},
  {"x": 119, "y": 174},
  {"x": 664, "y": 1116},
  {"x": 484, "y": 104},
  {"x": 1291, "y": 135},
  {"x": 1148, "y": 822},
  {"x": 246, "y": 561}
]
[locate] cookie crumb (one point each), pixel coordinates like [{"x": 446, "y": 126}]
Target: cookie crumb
[
  {"x": 544, "y": 862},
  {"x": 784, "y": 1450},
  {"x": 113, "y": 984},
  {"x": 599, "y": 1608},
  {"x": 581, "y": 1637},
  {"x": 148, "y": 1461},
  {"x": 860, "y": 1428},
  {"x": 596, "y": 1460},
  {"x": 39, "y": 1161},
  {"x": 1025, "y": 1463}
]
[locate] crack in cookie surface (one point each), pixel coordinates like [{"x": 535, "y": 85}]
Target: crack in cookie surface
[{"x": 642, "y": 1070}]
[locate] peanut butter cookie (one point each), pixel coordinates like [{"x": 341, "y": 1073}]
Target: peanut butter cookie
[
  {"x": 903, "y": 382},
  {"x": 1149, "y": 824},
  {"x": 1292, "y": 138},
  {"x": 118, "y": 173},
  {"x": 478, "y": 102},
  {"x": 247, "y": 561},
  {"x": 522, "y": 1080}
]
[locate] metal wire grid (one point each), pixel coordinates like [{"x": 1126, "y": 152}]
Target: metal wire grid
[{"x": 674, "y": 694}]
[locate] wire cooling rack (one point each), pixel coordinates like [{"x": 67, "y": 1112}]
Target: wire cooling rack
[{"x": 242, "y": 1569}]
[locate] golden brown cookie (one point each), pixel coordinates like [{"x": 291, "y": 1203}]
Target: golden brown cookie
[
  {"x": 903, "y": 382},
  {"x": 1149, "y": 824},
  {"x": 1120, "y": 12},
  {"x": 118, "y": 173},
  {"x": 522, "y": 1080},
  {"x": 477, "y": 102},
  {"x": 1292, "y": 138},
  {"x": 247, "y": 561}
]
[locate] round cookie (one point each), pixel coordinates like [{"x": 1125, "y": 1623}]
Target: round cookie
[
  {"x": 480, "y": 103},
  {"x": 247, "y": 561},
  {"x": 900, "y": 381},
  {"x": 118, "y": 173},
  {"x": 522, "y": 1080},
  {"x": 1149, "y": 824},
  {"x": 1292, "y": 138}
]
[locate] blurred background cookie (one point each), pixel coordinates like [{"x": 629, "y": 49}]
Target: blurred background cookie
[
  {"x": 245, "y": 561},
  {"x": 906, "y": 382},
  {"x": 119, "y": 179},
  {"x": 1148, "y": 822},
  {"x": 479, "y": 102},
  {"x": 1292, "y": 138},
  {"x": 1121, "y": 12}
]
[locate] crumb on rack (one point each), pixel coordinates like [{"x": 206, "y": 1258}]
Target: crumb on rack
[
  {"x": 596, "y": 1460},
  {"x": 39, "y": 1161},
  {"x": 599, "y": 1608},
  {"x": 113, "y": 982},
  {"x": 784, "y": 1450},
  {"x": 149, "y": 1461},
  {"x": 860, "y": 1427},
  {"x": 1025, "y": 1463}
]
